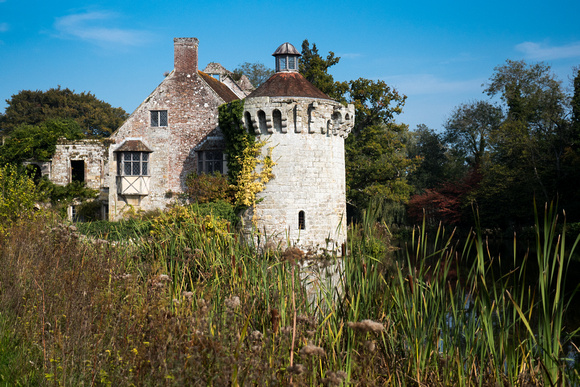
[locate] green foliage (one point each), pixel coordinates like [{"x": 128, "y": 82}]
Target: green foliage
[
  {"x": 190, "y": 305},
  {"x": 315, "y": 69},
  {"x": 204, "y": 188},
  {"x": 576, "y": 107},
  {"x": 470, "y": 128},
  {"x": 18, "y": 194},
  {"x": 530, "y": 152},
  {"x": 375, "y": 103},
  {"x": 438, "y": 163},
  {"x": 76, "y": 192},
  {"x": 95, "y": 117},
  {"x": 37, "y": 142},
  {"x": 237, "y": 138},
  {"x": 220, "y": 209},
  {"x": 257, "y": 73},
  {"x": 377, "y": 165}
]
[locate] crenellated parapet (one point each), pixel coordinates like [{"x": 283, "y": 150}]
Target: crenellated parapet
[{"x": 269, "y": 115}]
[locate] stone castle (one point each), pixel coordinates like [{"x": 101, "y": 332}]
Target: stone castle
[{"x": 175, "y": 132}]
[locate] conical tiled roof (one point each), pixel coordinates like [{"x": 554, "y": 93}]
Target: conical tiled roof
[{"x": 288, "y": 84}]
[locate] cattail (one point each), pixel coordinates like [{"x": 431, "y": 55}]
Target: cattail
[
  {"x": 275, "y": 317},
  {"x": 296, "y": 369},
  {"x": 312, "y": 350},
  {"x": 334, "y": 378},
  {"x": 366, "y": 326},
  {"x": 232, "y": 302}
]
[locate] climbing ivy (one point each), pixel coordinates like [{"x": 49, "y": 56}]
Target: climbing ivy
[
  {"x": 237, "y": 138},
  {"x": 248, "y": 172},
  {"x": 251, "y": 179}
]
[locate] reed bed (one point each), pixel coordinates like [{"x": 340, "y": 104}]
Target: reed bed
[{"x": 189, "y": 303}]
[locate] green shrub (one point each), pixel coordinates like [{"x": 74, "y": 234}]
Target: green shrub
[
  {"x": 204, "y": 188},
  {"x": 18, "y": 195}
]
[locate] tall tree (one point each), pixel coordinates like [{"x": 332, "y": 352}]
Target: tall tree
[
  {"x": 315, "y": 69},
  {"x": 375, "y": 103},
  {"x": 95, "y": 117},
  {"x": 37, "y": 142},
  {"x": 257, "y": 73},
  {"x": 575, "y": 102},
  {"x": 536, "y": 132},
  {"x": 438, "y": 162},
  {"x": 470, "y": 127}
]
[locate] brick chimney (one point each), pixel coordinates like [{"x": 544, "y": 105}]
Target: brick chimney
[{"x": 185, "y": 55}]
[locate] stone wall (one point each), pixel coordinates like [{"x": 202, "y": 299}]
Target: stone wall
[
  {"x": 307, "y": 136},
  {"x": 94, "y": 157},
  {"x": 192, "y": 116}
]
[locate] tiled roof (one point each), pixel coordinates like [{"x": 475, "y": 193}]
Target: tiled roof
[
  {"x": 222, "y": 90},
  {"x": 286, "y": 49},
  {"x": 133, "y": 146},
  {"x": 288, "y": 84}
]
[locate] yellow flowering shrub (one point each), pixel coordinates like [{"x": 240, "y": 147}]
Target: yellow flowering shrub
[
  {"x": 254, "y": 174},
  {"x": 180, "y": 219},
  {"x": 18, "y": 194}
]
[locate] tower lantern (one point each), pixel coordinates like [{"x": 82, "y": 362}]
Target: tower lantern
[{"x": 286, "y": 58}]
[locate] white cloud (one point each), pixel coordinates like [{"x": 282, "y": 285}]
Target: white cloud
[
  {"x": 3, "y": 26},
  {"x": 425, "y": 84},
  {"x": 350, "y": 55},
  {"x": 91, "y": 26},
  {"x": 542, "y": 51}
]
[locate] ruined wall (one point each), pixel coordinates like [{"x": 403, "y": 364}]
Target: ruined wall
[
  {"x": 94, "y": 156},
  {"x": 308, "y": 139}
]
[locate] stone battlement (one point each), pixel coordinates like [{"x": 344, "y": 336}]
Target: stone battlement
[{"x": 268, "y": 115}]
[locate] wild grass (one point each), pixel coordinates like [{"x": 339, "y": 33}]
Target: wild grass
[{"x": 189, "y": 303}]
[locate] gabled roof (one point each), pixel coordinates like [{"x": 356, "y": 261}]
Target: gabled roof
[
  {"x": 288, "y": 84},
  {"x": 222, "y": 90},
  {"x": 133, "y": 146}
]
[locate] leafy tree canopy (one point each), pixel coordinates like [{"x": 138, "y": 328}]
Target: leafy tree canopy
[
  {"x": 315, "y": 69},
  {"x": 37, "y": 142},
  {"x": 438, "y": 162},
  {"x": 375, "y": 103},
  {"x": 377, "y": 164},
  {"x": 257, "y": 72},
  {"x": 470, "y": 127},
  {"x": 95, "y": 117}
]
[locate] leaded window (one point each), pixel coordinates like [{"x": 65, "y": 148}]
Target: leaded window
[
  {"x": 134, "y": 164},
  {"x": 158, "y": 118},
  {"x": 210, "y": 162}
]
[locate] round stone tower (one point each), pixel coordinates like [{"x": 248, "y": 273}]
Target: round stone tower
[{"x": 305, "y": 203}]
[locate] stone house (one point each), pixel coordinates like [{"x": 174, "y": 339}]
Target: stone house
[
  {"x": 172, "y": 133},
  {"x": 175, "y": 132}
]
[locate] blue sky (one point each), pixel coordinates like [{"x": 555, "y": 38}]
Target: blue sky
[{"x": 437, "y": 53}]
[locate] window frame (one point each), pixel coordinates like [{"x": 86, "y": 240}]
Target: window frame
[
  {"x": 127, "y": 160},
  {"x": 208, "y": 166},
  {"x": 158, "y": 118}
]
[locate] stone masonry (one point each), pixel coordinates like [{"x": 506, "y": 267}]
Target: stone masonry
[{"x": 191, "y": 99}]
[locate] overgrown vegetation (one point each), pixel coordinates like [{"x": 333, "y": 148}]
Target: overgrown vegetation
[{"x": 178, "y": 298}]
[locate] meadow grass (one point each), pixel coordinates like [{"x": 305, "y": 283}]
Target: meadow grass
[{"x": 189, "y": 303}]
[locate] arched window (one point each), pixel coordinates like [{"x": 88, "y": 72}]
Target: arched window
[
  {"x": 262, "y": 121},
  {"x": 277, "y": 118},
  {"x": 336, "y": 119},
  {"x": 248, "y": 121},
  {"x": 301, "y": 221}
]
